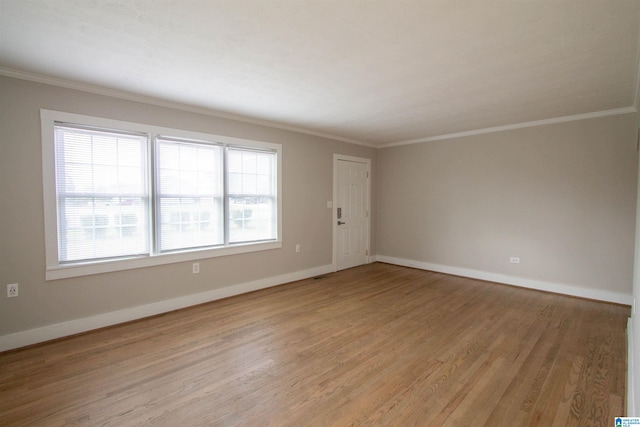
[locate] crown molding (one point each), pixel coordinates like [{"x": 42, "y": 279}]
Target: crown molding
[
  {"x": 114, "y": 93},
  {"x": 534, "y": 123}
]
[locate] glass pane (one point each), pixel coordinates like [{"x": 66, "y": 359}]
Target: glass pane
[
  {"x": 254, "y": 172},
  {"x": 96, "y": 227},
  {"x": 249, "y": 184},
  {"x": 249, "y": 160},
  {"x": 252, "y": 219},
  {"x": 235, "y": 183},
  {"x": 234, "y": 161},
  {"x": 190, "y": 223}
]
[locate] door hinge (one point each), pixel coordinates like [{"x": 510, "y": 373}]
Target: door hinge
[
  {"x": 366, "y": 252},
  {"x": 367, "y": 174}
]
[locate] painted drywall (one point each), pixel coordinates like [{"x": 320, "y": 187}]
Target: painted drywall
[
  {"x": 560, "y": 197},
  {"x": 307, "y": 186}
]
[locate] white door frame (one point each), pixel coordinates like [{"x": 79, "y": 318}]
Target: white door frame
[{"x": 334, "y": 211}]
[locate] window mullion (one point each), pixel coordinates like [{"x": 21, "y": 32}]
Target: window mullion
[
  {"x": 152, "y": 188},
  {"x": 225, "y": 194}
]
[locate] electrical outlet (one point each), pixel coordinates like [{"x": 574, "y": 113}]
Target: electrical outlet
[
  {"x": 514, "y": 260},
  {"x": 12, "y": 290},
  {"x": 298, "y": 248},
  {"x": 196, "y": 267}
]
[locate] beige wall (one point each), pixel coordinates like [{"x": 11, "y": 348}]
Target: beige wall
[
  {"x": 561, "y": 197},
  {"x": 307, "y": 186}
]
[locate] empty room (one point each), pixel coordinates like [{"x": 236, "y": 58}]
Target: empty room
[{"x": 319, "y": 212}]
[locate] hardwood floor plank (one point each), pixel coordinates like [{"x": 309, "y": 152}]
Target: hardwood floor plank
[{"x": 373, "y": 345}]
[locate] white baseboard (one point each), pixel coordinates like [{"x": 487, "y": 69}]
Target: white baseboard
[
  {"x": 630, "y": 409},
  {"x": 59, "y": 330},
  {"x": 558, "y": 288}
]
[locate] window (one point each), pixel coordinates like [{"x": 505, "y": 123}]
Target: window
[
  {"x": 122, "y": 195},
  {"x": 189, "y": 200},
  {"x": 101, "y": 194},
  {"x": 251, "y": 195}
]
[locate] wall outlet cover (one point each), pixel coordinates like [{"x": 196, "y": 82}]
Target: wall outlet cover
[{"x": 12, "y": 290}]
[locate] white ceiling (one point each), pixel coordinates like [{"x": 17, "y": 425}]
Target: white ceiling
[{"x": 372, "y": 71}]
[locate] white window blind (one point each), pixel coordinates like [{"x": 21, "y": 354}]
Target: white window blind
[{"x": 101, "y": 194}]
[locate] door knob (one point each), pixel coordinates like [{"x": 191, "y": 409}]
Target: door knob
[{"x": 340, "y": 222}]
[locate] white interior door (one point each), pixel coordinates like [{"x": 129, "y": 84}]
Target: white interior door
[{"x": 351, "y": 211}]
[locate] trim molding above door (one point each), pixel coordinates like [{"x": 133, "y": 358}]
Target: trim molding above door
[{"x": 334, "y": 215}]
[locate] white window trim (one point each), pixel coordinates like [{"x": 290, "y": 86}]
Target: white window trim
[{"x": 55, "y": 271}]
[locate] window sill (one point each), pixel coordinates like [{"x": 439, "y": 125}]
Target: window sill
[{"x": 89, "y": 268}]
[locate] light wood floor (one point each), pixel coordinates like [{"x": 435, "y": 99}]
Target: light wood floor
[{"x": 374, "y": 345}]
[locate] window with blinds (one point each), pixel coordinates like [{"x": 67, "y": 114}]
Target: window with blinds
[
  {"x": 101, "y": 194},
  {"x": 126, "y": 191},
  {"x": 189, "y": 195},
  {"x": 251, "y": 195}
]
